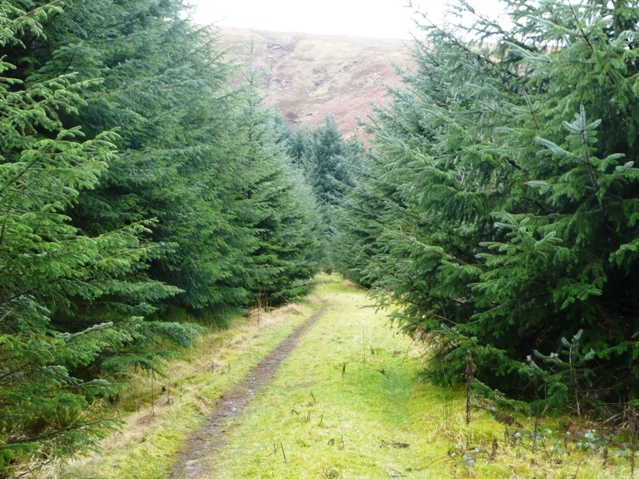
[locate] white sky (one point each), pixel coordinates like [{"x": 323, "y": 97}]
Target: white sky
[{"x": 363, "y": 18}]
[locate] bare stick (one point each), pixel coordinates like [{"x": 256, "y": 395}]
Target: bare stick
[
  {"x": 470, "y": 370},
  {"x": 633, "y": 440},
  {"x": 152, "y": 394}
]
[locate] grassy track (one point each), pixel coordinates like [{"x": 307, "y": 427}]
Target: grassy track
[
  {"x": 342, "y": 405},
  {"x": 148, "y": 445},
  {"x": 345, "y": 404}
]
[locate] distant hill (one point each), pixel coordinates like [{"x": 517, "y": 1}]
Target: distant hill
[{"x": 307, "y": 77}]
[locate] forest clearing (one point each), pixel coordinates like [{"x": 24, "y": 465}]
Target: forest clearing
[{"x": 346, "y": 403}]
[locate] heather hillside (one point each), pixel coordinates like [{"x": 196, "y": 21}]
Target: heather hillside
[{"x": 307, "y": 76}]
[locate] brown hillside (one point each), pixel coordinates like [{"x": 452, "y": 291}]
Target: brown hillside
[{"x": 307, "y": 77}]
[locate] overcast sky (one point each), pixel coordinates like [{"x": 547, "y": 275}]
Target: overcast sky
[{"x": 367, "y": 18}]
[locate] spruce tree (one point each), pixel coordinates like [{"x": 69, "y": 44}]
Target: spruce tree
[
  {"x": 269, "y": 203},
  {"x": 49, "y": 265},
  {"x": 164, "y": 86},
  {"x": 506, "y": 171},
  {"x": 133, "y": 180},
  {"x": 330, "y": 165}
]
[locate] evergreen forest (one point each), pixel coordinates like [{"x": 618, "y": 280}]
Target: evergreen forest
[
  {"x": 499, "y": 205},
  {"x": 146, "y": 195}
]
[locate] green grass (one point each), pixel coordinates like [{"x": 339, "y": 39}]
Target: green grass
[
  {"x": 147, "y": 445},
  {"x": 346, "y": 404},
  {"x": 375, "y": 420}
]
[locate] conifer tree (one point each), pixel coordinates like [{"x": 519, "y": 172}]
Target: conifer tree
[
  {"x": 270, "y": 204},
  {"x": 330, "y": 165},
  {"x": 506, "y": 171},
  {"x": 132, "y": 178},
  {"x": 48, "y": 264},
  {"x": 164, "y": 87}
]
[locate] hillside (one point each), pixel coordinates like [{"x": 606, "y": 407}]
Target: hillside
[{"x": 307, "y": 77}]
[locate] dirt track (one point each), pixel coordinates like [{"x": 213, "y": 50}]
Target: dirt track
[{"x": 198, "y": 457}]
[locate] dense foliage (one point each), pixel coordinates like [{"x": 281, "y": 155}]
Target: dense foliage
[
  {"x": 500, "y": 206},
  {"x": 135, "y": 184},
  {"x": 330, "y": 164}
]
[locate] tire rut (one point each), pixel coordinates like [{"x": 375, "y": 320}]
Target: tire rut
[{"x": 199, "y": 454}]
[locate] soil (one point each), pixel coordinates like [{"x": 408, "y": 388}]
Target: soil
[{"x": 200, "y": 450}]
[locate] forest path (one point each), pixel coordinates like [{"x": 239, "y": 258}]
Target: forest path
[
  {"x": 199, "y": 455},
  {"x": 326, "y": 389},
  {"x": 344, "y": 404}
]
